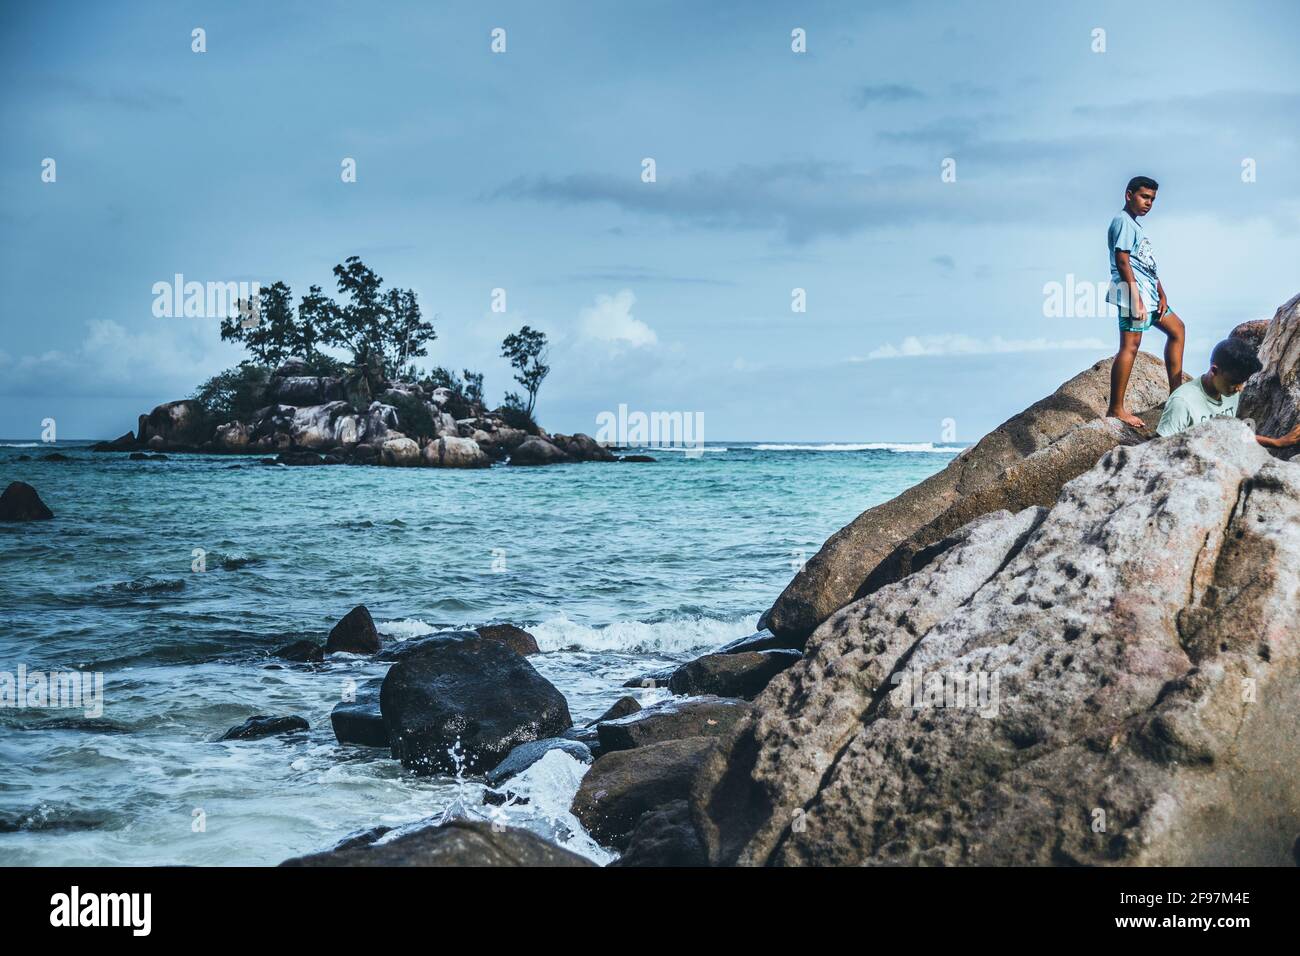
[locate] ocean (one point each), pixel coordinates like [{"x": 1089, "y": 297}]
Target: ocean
[{"x": 176, "y": 579}]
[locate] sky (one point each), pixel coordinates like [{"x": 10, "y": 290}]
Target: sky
[{"x": 926, "y": 316}]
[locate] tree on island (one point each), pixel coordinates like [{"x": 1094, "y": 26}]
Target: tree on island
[
  {"x": 527, "y": 352},
  {"x": 383, "y": 330}
]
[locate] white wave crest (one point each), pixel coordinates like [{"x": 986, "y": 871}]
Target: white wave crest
[
  {"x": 407, "y": 629},
  {"x": 637, "y": 637},
  {"x": 923, "y": 446}
]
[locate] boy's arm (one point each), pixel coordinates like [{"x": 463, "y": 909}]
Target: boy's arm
[
  {"x": 1163, "y": 304},
  {"x": 1125, "y": 269},
  {"x": 1283, "y": 441}
]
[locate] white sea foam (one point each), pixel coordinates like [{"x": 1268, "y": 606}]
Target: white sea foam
[
  {"x": 26, "y": 444},
  {"x": 550, "y": 785},
  {"x": 900, "y": 447},
  {"x": 637, "y": 637},
  {"x": 405, "y": 630}
]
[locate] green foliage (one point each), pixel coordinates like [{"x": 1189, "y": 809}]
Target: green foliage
[
  {"x": 466, "y": 396},
  {"x": 514, "y": 413},
  {"x": 375, "y": 325},
  {"x": 527, "y": 352},
  {"x": 233, "y": 395}
]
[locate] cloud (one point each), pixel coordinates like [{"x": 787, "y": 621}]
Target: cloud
[
  {"x": 803, "y": 200},
  {"x": 174, "y": 354},
  {"x": 611, "y": 321},
  {"x": 922, "y": 346},
  {"x": 866, "y": 96}
]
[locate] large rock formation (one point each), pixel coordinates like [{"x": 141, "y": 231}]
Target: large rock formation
[
  {"x": 172, "y": 425},
  {"x": 1271, "y": 399},
  {"x": 1115, "y": 680},
  {"x": 835, "y": 575}
]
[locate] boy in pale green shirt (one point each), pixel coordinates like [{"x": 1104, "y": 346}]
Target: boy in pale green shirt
[{"x": 1214, "y": 394}]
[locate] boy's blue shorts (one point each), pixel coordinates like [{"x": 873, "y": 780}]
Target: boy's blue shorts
[{"x": 1129, "y": 323}]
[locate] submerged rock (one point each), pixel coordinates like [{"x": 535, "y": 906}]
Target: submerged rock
[
  {"x": 302, "y": 652},
  {"x": 454, "y": 843},
  {"x": 835, "y": 575},
  {"x": 263, "y": 726},
  {"x": 1138, "y": 653},
  {"x": 354, "y": 634},
  {"x": 458, "y": 686},
  {"x": 20, "y": 502}
]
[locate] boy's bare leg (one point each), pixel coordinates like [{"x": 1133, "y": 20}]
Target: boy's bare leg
[
  {"x": 1119, "y": 373},
  {"x": 1173, "y": 327}
]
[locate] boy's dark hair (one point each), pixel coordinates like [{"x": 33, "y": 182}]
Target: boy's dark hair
[
  {"x": 1141, "y": 182},
  {"x": 1236, "y": 359}
]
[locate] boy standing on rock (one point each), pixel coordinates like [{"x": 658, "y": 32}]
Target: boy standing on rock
[{"x": 1136, "y": 291}]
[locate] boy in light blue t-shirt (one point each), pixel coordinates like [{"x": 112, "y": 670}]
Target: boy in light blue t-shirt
[{"x": 1136, "y": 291}]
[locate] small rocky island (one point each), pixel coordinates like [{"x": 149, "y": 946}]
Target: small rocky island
[
  {"x": 294, "y": 398},
  {"x": 308, "y": 419}
]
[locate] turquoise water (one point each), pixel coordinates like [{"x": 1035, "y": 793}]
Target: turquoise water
[{"x": 618, "y": 569}]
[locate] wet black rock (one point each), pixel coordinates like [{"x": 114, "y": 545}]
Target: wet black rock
[
  {"x": 525, "y": 755},
  {"x": 263, "y": 726},
  {"x": 354, "y": 634},
  {"x": 460, "y": 687},
  {"x": 731, "y": 675},
  {"x": 455, "y": 843},
  {"x": 20, "y": 502}
]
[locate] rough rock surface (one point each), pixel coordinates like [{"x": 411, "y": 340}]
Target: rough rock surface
[
  {"x": 458, "y": 686},
  {"x": 834, "y": 576},
  {"x": 731, "y": 675},
  {"x": 1271, "y": 399},
  {"x": 455, "y": 843},
  {"x": 582, "y": 447},
  {"x": 664, "y": 837},
  {"x": 1251, "y": 332},
  {"x": 171, "y": 425},
  {"x": 621, "y": 786},
  {"x": 455, "y": 452},
  {"x": 399, "y": 452},
  {"x": 20, "y": 502},
  {"x": 1141, "y": 657}
]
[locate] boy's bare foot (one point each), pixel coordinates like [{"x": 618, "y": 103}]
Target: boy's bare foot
[{"x": 1127, "y": 417}]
